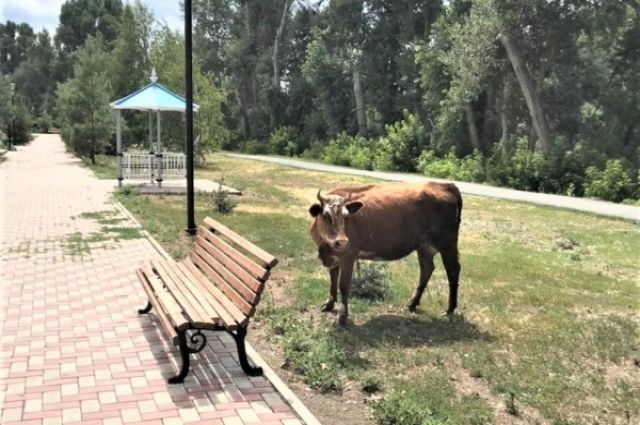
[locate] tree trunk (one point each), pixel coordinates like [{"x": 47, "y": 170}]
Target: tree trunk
[
  {"x": 275, "y": 59},
  {"x": 246, "y": 120},
  {"x": 527, "y": 85},
  {"x": 361, "y": 109},
  {"x": 473, "y": 127},
  {"x": 504, "y": 121},
  {"x": 486, "y": 137}
]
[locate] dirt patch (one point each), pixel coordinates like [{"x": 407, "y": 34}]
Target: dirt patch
[
  {"x": 628, "y": 371},
  {"x": 466, "y": 385},
  {"x": 345, "y": 407}
]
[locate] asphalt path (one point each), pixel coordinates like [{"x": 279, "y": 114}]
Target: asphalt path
[{"x": 609, "y": 209}]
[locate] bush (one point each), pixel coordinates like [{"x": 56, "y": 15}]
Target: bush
[
  {"x": 404, "y": 142},
  {"x": 615, "y": 183},
  {"x": 283, "y": 141},
  {"x": 312, "y": 353},
  {"x": 371, "y": 281},
  {"x": 470, "y": 168},
  {"x": 43, "y": 123},
  {"x": 222, "y": 200},
  {"x": 254, "y": 147}
]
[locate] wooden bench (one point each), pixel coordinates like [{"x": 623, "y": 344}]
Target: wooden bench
[{"x": 217, "y": 287}]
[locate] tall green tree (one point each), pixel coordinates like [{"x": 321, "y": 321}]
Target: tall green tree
[
  {"x": 34, "y": 78},
  {"x": 83, "y": 102},
  {"x": 167, "y": 57}
]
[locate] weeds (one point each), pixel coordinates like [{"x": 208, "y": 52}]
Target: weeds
[
  {"x": 222, "y": 200},
  {"x": 371, "y": 281}
]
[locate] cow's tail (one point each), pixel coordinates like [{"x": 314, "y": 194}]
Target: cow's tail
[{"x": 458, "y": 196}]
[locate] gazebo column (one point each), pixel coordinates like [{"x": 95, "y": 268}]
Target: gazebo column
[
  {"x": 151, "y": 151},
  {"x": 159, "y": 153},
  {"x": 119, "y": 147}
]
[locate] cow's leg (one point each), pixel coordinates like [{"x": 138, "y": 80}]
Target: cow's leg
[
  {"x": 425, "y": 259},
  {"x": 328, "y": 305},
  {"x": 452, "y": 265},
  {"x": 344, "y": 283}
]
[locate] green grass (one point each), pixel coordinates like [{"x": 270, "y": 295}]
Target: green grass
[
  {"x": 549, "y": 303},
  {"x": 80, "y": 244},
  {"x": 104, "y": 168}
]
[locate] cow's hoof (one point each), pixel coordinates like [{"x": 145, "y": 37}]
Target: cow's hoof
[
  {"x": 327, "y": 306},
  {"x": 341, "y": 321}
]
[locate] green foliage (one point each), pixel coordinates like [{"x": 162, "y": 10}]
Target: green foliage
[
  {"x": 429, "y": 399},
  {"x": 311, "y": 352},
  {"x": 469, "y": 168},
  {"x": 83, "y": 102},
  {"x": 167, "y": 56},
  {"x": 371, "y": 384},
  {"x": 615, "y": 183},
  {"x": 283, "y": 141},
  {"x": 354, "y": 151},
  {"x": 222, "y": 201},
  {"x": 371, "y": 281},
  {"x": 43, "y": 123},
  {"x": 402, "y": 145}
]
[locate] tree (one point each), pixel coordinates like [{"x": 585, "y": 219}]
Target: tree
[
  {"x": 34, "y": 77},
  {"x": 83, "y": 102},
  {"x": 167, "y": 56},
  {"x": 15, "y": 41}
]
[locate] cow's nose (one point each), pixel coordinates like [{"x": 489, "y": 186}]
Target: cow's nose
[{"x": 340, "y": 243}]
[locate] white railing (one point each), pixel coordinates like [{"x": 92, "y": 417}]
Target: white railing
[
  {"x": 145, "y": 166},
  {"x": 137, "y": 165},
  {"x": 174, "y": 165}
]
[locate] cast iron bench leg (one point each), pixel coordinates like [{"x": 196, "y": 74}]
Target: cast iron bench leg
[
  {"x": 146, "y": 309},
  {"x": 242, "y": 354},
  {"x": 184, "y": 353}
]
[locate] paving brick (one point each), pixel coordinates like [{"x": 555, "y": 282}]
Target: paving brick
[{"x": 73, "y": 349}]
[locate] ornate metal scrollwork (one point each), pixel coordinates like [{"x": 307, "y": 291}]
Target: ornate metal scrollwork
[{"x": 197, "y": 341}]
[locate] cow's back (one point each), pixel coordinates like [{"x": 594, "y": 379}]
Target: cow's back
[{"x": 396, "y": 218}]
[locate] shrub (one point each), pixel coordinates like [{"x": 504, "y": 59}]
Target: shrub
[
  {"x": 283, "y": 141},
  {"x": 335, "y": 152},
  {"x": 371, "y": 384},
  {"x": 311, "y": 352},
  {"x": 222, "y": 200},
  {"x": 614, "y": 183},
  {"x": 470, "y": 168},
  {"x": 371, "y": 281},
  {"x": 403, "y": 143},
  {"x": 254, "y": 147}
]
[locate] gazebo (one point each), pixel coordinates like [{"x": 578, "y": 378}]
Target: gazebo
[{"x": 155, "y": 165}]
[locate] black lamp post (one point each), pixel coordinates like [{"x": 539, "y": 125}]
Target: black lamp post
[
  {"x": 11, "y": 128},
  {"x": 188, "y": 80}
]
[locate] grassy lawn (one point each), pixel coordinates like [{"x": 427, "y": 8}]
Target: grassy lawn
[{"x": 549, "y": 310}]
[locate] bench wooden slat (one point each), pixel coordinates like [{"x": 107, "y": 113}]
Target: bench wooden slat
[
  {"x": 255, "y": 270},
  {"x": 245, "y": 277},
  {"x": 268, "y": 260},
  {"x": 159, "y": 312},
  {"x": 242, "y": 304},
  {"x": 231, "y": 282},
  {"x": 196, "y": 288},
  {"x": 235, "y": 314},
  {"x": 171, "y": 306},
  {"x": 200, "y": 317}
]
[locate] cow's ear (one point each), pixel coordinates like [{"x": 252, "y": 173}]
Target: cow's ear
[
  {"x": 315, "y": 209},
  {"x": 353, "y": 207}
]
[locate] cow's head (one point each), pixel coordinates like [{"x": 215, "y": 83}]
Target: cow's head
[{"x": 331, "y": 213}]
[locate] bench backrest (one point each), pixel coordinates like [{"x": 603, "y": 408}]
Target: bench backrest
[{"x": 236, "y": 266}]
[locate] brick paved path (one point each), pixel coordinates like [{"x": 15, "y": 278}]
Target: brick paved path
[{"x": 73, "y": 349}]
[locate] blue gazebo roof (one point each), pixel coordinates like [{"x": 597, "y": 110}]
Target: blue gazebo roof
[{"x": 152, "y": 97}]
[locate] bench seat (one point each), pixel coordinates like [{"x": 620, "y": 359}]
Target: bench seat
[{"x": 217, "y": 287}]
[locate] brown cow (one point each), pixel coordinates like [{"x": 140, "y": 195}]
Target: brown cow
[{"x": 387, "y": 222}]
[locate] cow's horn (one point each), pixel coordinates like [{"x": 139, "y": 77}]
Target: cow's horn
[{"x": 320, "y": 199}]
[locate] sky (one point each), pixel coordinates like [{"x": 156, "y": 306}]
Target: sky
[{"x": 44, "y": 13}]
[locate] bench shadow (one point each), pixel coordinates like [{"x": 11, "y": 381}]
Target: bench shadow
[
  {"x": 410, "y": 331},
  {"x": 213, "y": 370}
]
